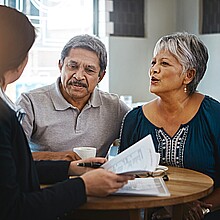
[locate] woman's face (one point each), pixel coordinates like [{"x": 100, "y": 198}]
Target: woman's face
[{"x": 166, "y": 74}]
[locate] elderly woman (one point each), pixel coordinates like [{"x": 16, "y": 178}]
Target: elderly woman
[{"x": 184, "y": 123}]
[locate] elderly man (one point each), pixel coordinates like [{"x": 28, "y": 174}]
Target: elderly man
[{"x": 73, "y": 112}]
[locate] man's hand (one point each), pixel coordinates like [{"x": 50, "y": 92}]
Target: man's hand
[{"x": 77, "y": 170}]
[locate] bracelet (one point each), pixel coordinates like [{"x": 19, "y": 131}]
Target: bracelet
[{"x": 205, "y": 211}]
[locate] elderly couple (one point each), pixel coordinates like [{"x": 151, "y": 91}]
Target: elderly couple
[{"x": 74, "y": 112}]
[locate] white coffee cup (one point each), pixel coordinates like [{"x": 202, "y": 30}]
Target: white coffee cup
[{"x": 85, "y": 152}]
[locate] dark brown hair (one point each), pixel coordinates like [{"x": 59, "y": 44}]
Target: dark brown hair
[{"x": 16, "y": 38}]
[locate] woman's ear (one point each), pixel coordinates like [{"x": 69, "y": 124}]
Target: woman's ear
[
  {"x": 12, "y": 75},
  {"x": 21, "y": 67},
  {"x": 190, "y": 74}
]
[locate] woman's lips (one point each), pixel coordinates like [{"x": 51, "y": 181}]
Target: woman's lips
[{"x": 154, "y": 80}]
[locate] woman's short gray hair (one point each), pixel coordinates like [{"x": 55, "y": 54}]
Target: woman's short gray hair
[
  {"x": 87, "y": 42},
  {"x": 190, "y": 51}
]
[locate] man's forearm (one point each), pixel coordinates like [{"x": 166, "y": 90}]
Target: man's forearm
[{"x": 48, "y": 155}]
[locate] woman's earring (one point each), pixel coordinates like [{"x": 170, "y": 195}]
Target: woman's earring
[{"x": 185, "y": 89}]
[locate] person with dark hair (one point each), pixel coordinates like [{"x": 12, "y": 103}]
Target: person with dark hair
[
  {"x": 184, "y": 124},
  {"x": 76, "y": 113},
  {"x": 20, "y": 195}
]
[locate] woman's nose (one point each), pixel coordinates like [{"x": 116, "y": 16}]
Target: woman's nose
[{"x": 153, "y": 70}]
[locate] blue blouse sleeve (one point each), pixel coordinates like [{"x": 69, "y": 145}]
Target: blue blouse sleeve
[
  {"x": 131, "y": 127},
  {"x": 126, "y": 131},
  {"x": 211, "y": 110},
  {"x": 202, "y": 147}
]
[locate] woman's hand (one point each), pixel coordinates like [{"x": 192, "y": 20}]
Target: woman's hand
[
  {"x": 76, "y": 170},
  {"x": 194, "y": 210},
  {"x": 100, "y": 182}
]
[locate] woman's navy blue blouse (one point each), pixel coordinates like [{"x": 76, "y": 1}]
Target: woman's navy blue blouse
[{"x": 196, "y": 144}]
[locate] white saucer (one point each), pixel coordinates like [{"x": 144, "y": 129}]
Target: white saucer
[{"x": 160, "y": 170}]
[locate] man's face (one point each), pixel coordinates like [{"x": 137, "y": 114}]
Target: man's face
[{"x": 79, "y": 75}]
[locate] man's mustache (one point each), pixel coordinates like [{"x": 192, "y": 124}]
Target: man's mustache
[{"x": 77, "y": 83}]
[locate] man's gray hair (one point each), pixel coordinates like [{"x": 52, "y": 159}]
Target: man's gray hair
[
  {"x": 190, "y": 51},
  {"x": 87, "y": 42}
]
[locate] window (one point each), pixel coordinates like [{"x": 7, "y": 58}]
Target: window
[
  {"x": 210, "y": 16},
  {"x": 128, "y": 18},
  {"x": 56, "y": 22}
]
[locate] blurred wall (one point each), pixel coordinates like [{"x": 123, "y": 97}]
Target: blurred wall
[
  {"x": 129, "y": 58},
  {"x": 188, "y": 20}
]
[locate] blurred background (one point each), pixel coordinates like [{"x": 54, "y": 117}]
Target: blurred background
[{"x": 129, "y": 29}]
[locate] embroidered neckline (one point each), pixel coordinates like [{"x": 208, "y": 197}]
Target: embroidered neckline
[{"x": 171, "y": 149}]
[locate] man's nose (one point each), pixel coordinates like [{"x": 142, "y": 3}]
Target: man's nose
[{"x": 79, "y": 74}]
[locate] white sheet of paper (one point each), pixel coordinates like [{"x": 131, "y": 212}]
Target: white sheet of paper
[
  {"x": 145, "y": 186},
  {"x": 138, "y": 158}
]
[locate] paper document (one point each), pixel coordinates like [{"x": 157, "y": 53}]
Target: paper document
[
  {"x": 145, "y": 186},
  {"x": 139, "y": 158}
]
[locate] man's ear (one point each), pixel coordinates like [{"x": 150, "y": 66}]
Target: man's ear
[
  {"x": 60, "y": 65},
  {"x": 190, "y": 74},
  {"x": 101, "y": 75}
]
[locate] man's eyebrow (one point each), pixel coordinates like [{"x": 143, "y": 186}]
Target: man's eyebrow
[
  {"x": 72, "y": 61},
  {"x": 91, "y": 66}
]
